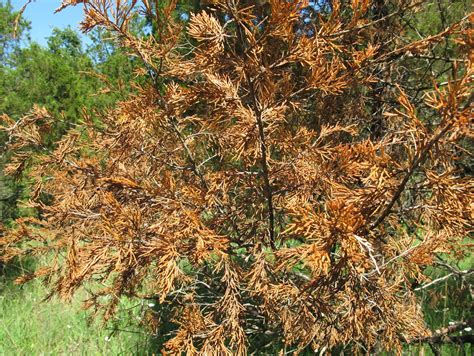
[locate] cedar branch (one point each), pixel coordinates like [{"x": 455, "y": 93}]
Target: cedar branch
[
  {"x": 194, "y": 166},
  {"x": 414, "y": 165},
  {"x": 444, "y": 335},
  {"x": 264, "y": 163}
]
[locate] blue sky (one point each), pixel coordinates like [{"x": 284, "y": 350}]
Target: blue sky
[{"x": 43, "y": 19}]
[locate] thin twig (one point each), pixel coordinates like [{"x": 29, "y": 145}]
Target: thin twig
[
  {"x": 194, "y": 166},
  {"x": 263, "y": 149},
  {"x": 437, "y": 280},
  {"x": 416, "y": 162},
  {"x": 443, "y": 335}
]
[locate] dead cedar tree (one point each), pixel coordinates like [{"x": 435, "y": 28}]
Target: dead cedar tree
[{"x": 258, "y": 186}]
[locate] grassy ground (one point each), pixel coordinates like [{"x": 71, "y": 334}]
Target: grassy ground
[{"x": 29, "y": 327}]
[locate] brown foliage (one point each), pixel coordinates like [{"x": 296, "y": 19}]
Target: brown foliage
[{"x": 243, "y": 187}]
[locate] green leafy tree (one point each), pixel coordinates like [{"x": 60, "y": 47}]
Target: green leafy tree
[
  {"x": 51, "y": 77},
  {"x": 9, "y": 44},
  {"x": 64, "y": 77},
  {"x": 45, "y": 76},
  {"x": 9, "y": 38}
]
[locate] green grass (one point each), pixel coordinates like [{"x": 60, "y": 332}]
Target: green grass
[{"x": 31, "y": 327}]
